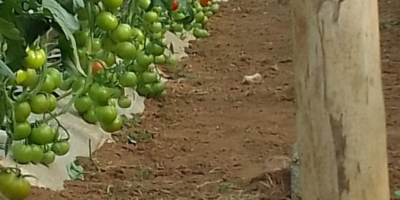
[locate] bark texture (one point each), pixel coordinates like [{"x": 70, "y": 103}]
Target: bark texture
[{"x": 340, "y": 119}]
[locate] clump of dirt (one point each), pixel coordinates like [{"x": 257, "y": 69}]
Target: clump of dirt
[{"x": 212, "y": 136}]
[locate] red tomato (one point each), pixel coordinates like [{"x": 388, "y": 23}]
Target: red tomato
[
  {"x": 174, "y": 5},
  {"x": 204, "y": 2},
  {"x": 97, "y": 65}
]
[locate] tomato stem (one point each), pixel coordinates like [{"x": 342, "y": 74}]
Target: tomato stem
[{"x": 60, "y": 126}]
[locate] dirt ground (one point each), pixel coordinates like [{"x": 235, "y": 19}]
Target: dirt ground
[{"x": 212, "y": 134}]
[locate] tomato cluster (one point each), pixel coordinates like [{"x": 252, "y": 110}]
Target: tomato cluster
[
  {"x": 113, "y": 52},
  {"x": 203, "y": 9},
  {"x": 13, "y": 185}
]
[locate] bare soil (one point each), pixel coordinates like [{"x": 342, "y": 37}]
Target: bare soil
[{"x": 212, "y": 134}]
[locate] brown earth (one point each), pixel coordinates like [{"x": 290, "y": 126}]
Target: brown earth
[{"x": 212, "y": 134}]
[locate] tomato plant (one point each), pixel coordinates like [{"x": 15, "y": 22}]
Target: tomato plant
[{"x": 94, "y": 51}]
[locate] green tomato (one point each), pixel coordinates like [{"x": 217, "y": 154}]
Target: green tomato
[
  {"x": 55, "y": 75},
  {"x": 197, "y": 25},
  {"x": 157, "y": 9},
  {"x": 214, "y": 8},
  {"x": 39, "y": 104},
  {"x": 109, "y": 59},
  {"x": 158, "y": 35},
  {"x": 22, "y": 111},
  {"x": 34, "y": 59},
  {"x": 205, "y": 21},
  {"x": 21, "y": 130},
  {"x": 42, "y": 134},
  {"x": 96, "y": 45},
  {"x": 48, "y": 158},
  {"x": 105, "y": 114},
  {"x": 150, "y": 17},
  {"x": 126, "y": 50},
  {"x": 52, "y": 102},
  {"x": 178, "y": 15},
  {"x": 48, "y": 84},
  {"x": 109, "y": 45},
  {"x": 149, "y": 77},
  {"x": 209, "y": 13},
  {"x": 112, "y": 126},
  {"x": 158, "y": 87},
  {"x": 156, "y": 27},
  {"x": 145, "y": 90},
  {"x": 81, "y": 37},
  {"x": 99, "y": 93},
  {"x": 36, "y": 153},
  {"x": 90, "y": 116},
  {"x": 106, "y": 21},
  {"x": 200, "y": 33},
  {"x": 188, "y": 27},
  {"x": 21, "y": 153},
  {"x": 117, "y": 92},
  {"x": 60, "y": 148},
  {"x": 83, "y": 104},
  {"x": 14, "y": 187},
  {"x": 136, "y": 67},
  {"x": 31, "y": 78},
  {"x": 128, "y": 79},
  {"x": 138, "y": 35},
  {"x": 161, "y": 95},
  {"x": 124, "y": 102},
  {"x": 199, "y": 17},
  {"x": 143, "y": 59},
  {"x": 78, "y": 84},
  {"x": 112, "y": 4},
  {"x": 177, "y": 27},
  {"x": 159, "y": 59},
  {"x": 154, "y": 49},
  {"x": 144, "y": 4},
  {"x": 122, "y": 33}
]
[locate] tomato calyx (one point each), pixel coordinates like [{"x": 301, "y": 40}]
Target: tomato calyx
[{"x": 174, "y": 5}]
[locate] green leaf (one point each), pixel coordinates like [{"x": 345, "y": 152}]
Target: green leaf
[
  {"x": 8, "y": 30},
  {"x": 161, "y": 3},
  {"x": 66, "y": 20},
  {"x": 187, "y": 10},
  {"x": 68, "y": 24},
  {"x": 71, "y": 6},
  {"x": 33, "y": 26},
  {"x": 5, "y": 70},
  {"x": 15, "y": 53},
  {"x": 78, "y": 4}
]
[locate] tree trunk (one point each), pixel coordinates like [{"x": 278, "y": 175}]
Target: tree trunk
[{"x": 340, "y": 117}]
